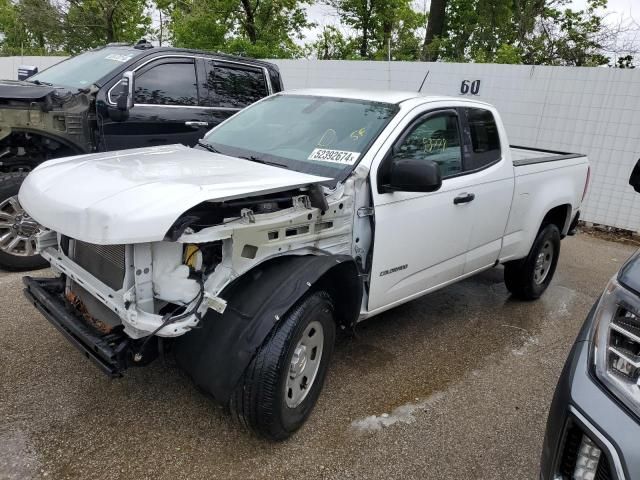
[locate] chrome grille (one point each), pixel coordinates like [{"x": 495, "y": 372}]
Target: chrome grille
[
  {"x": 105, "y": 262},
  {"x": 624, "y": 347}
]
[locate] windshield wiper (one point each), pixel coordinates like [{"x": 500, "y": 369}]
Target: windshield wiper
[
  {"x": 38, "y": 82},
  {"x": 208, "y": 146},
  {"x": 253, "y": 158}
]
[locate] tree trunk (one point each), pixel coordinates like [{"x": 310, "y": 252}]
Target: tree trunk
[
  {"x": 435, "y": 27},
  {"x": 366, "y": 25},
  {"x": 110, "y": 27},
  {"x": 250, "y": 24}
]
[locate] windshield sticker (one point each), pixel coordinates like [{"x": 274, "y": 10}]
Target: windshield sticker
[
  {"x": 118, "y": 58},
  {"x": 334, "y": 156},
  {"x": 328, "y": 138}
]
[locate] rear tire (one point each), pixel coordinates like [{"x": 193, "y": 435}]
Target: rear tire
[
  {"x": 527, "y": 279},
  {"x": 282, "y": 383},
  {"x": 15, "y": 258}
]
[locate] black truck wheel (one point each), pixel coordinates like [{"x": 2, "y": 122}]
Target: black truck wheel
[
  {"x": 527, "y": 279},
  {"x": 17, "y": 229},
  {"x": 283, "y": 381}
]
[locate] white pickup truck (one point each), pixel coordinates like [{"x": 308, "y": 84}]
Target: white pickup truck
[{"x": 305, "y": 213}]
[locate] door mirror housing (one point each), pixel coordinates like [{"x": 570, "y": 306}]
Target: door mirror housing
[
  {"x": 413, "y": 175},
  {"x": 125, "y": 93},
  {"x": 634, "y": 180}
]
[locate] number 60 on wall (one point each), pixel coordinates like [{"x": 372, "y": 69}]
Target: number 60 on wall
[{"x": 469, "y": 86}]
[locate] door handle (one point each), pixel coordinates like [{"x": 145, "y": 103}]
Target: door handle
[
  {"x": 196, "y": 124},
  {"x": 464, "y": 198}
]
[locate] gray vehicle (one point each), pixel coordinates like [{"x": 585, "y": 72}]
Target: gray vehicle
[{"x": 593, "y": 430}]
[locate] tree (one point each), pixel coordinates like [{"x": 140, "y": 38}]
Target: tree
[
  {"x": 30, "y": 27},
  {"x": 93, "y": 23},
  {"x": 563, "y": 36},
  {"x": 625, "y": 62},
  {"x": 257, "y": 28},
  {"x": 546, "y": 32},
  {"x": 378, "y": 22},
  {"x": 435, "y": 28},
  {"x": 41, "y": 27},
  {"x": 331, "y": 44}
]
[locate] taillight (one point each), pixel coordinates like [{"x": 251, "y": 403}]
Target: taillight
[{"x": 586, "y": 183}]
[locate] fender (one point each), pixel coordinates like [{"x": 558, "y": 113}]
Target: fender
[{"x": 217, "y": 353}]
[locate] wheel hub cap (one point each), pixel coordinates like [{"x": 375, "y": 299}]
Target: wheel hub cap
[
  {"x": 17, "y": 229},
  {"x": 298, "y": 361},
  {"x": 304, "y": 364},
  {"x": 543, "y": 262}
]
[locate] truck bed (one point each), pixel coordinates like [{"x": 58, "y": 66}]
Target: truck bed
[{"x": 527, "y": 156}]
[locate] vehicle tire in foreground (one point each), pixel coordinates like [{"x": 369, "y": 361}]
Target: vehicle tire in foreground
[
  {"x": 283, "y": 381},
  {"x": 17, "y": 229},
  {"x": 527, "y": 279}
]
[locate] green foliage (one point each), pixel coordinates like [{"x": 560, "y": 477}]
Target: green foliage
[
  {"x": 30, "y": 27},
  {"x": 547, "y": 32},
  {"x": 625, "y": 62},
  {"x": 524, "y": 31},
  {"x": 42, "y": 27},
  {"x": 331, "y": 44},
  {"x": 255, "y": 28},
  {"x": 378, "y": 22},
  {"x": 93, "y": 23},
  {"x": 567, "y": 37}
]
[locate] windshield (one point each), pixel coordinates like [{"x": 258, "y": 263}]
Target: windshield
[
  {"x": 85, "y": 69},
  {"x": 319, "y": 135}
]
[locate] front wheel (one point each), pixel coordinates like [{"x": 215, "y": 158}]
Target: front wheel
[
  {"x": 283, "y": 381},
  {"x": 17, "y": 228},
  {"x": 527, "y": 279}
]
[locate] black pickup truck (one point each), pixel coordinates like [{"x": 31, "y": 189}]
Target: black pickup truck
[{"x": 112, "y": 98}]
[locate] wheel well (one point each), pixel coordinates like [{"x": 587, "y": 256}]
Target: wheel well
[
  {"x": 26, "y": 149},
  {"x": 557, "y": 216},
  {"x": 343, "y": 284}
]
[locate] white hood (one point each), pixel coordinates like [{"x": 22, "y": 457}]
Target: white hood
[{"x": 134, "y": 196}]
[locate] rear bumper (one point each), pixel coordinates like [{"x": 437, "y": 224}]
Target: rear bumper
[{"x": 109, "y": 352}]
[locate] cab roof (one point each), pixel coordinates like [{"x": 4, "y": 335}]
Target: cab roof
[{"x": 382, "y": 96}]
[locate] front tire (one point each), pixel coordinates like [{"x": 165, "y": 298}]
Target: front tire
[
  {"x": 527, "y": 279},
  {"x": 17, "y": 228},
  {"x": 283, "y": 381}
]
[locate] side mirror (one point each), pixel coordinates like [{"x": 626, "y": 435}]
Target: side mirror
[
  {"x": 634, "y": 180},
  {"x": 413, "y": 175},
  {"x": 125, "y": 94}
]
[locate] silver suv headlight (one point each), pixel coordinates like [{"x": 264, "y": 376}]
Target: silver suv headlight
[{"x": 617, "y": 343}]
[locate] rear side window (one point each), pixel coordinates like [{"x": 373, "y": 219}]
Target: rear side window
[
  {"x": 168, "y": 84},
  {"x": 234, "y": 86},
  {"x": 485, "y": 140}
]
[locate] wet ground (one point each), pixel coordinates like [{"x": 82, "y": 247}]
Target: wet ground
[{"x": 453, "y": 385}]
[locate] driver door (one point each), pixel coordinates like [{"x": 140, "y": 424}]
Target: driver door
[
  {"x": 421, "y": 239},
  {"x": 168, "y": 107}
]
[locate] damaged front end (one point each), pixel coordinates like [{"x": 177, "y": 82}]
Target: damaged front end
[
  {"x": 39, "y": 122},
  {"x": 137, "y": 291}
]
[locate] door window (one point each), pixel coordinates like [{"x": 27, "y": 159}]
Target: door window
[
  {"x": 436, "y": 138},
  {"x": 234, "y": 86},
  {"x": 485, "y": 139},
  {"x": 171, "y": 83}
]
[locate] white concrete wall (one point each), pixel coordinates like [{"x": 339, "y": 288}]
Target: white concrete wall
[
  {"x": 588, "y": 110},
  {"x": 9, "y": 65}
]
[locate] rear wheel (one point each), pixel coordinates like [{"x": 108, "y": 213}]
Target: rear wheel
[
  {"x": 283, "y": 381},
  {"x": 527, "y": 279},
  {"x": 17, "y": 228}
]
